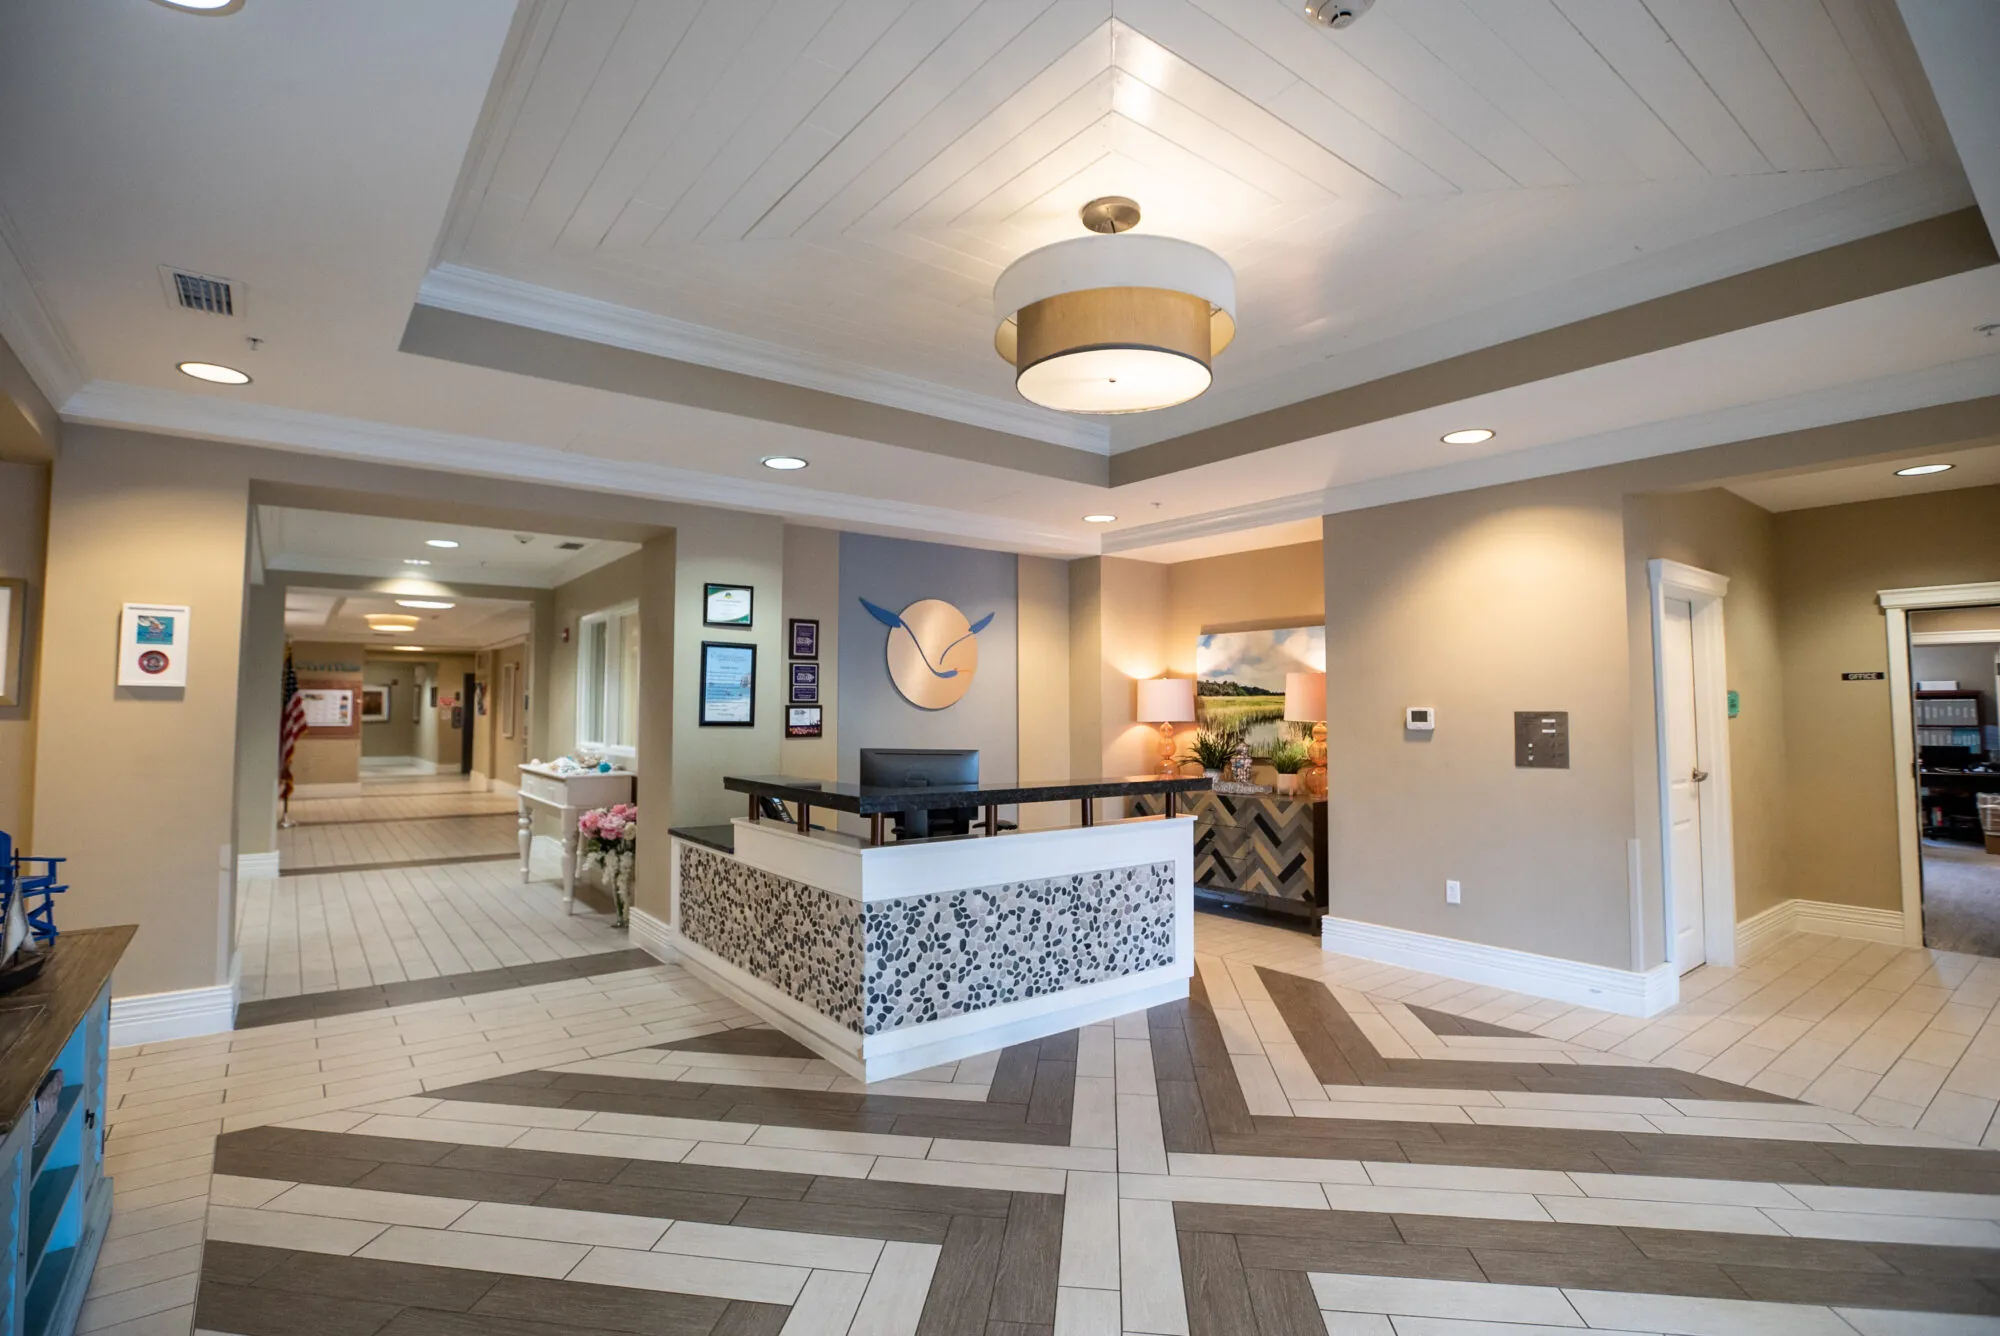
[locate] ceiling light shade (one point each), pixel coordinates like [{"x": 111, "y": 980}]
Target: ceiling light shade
[
  {"x": 214, "y": 373},
  {"x": 440, "y": 542},
  {"x": 1470, "y": 436},
  {"x": 1100, "y": 519},
  {"x": 209, "y": 8},
  {"x": 412, "y": 649},
  {"x": 1114, "y": 324},
  {"x": 1919, "y": 470},
  {"x": 390, "y": 621},
  {"x": 423, "y": 603},
  {"x": 783, "y": 463}
]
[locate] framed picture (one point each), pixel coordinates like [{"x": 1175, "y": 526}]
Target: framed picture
[
  {"x": 802, "y": 721},
  {"x": 1239, "y": 680},
  {"x": 509, "y": 700},
  {"x": 726, "y": 605},
  {"x": 13, "y": 621},
  {"x": 728, "y": 685},
  {"x": 374, "y": 705},
  {"x": 805, "y": 684},
  {"x": 805, "y": 637},
  {"x": 153, "y": 645}
]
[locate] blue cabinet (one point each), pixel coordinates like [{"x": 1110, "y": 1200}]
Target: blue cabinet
[{"x": 55, "y": 1201}]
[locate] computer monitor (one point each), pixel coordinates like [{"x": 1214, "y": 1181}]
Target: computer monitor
[{"x": 886, "y": 767}]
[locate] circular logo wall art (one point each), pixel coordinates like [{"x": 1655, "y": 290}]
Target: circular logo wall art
[{"x": 933, "y": 651}]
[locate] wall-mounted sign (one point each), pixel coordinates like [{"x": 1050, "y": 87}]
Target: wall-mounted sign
[
  {"x": 728, "y": 685},
  {"x": 802, "y": 721},
  {"x": 153, "y": 645},
  {"x": 805, "y": 684},
  {"x": 805, "y": 637},
  {"x": 933, "y": 651},
  {"x": 726, "y": 605},
  {"x": 1862, "y": 677},
  {"x": 327, "y": 708}
]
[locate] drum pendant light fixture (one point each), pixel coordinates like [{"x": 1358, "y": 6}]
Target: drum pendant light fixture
[{"x": 1114, "y": 323}]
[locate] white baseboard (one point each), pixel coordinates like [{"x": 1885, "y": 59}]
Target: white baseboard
[
  {"x": 327, "y": 790},
  {"x": 1626, "y": 992},
  {"x": 1763, "y": 930},
  {"x": 154, "y": 1018},
  {"x": 256, "y": 866},
  {"x": 403, "y": 762},
  {"x": 651, "y": 934}
]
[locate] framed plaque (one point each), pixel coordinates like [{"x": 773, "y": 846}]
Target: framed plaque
[
  {"x": 726, "y": 605},
  {"x": 805, "y": 637},
  {"x": 728, "y": 685}
]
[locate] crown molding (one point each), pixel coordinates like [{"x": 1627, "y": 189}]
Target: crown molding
[
  {"x": 175, "y": 413},
  {"x": 490, "y": 296},
  {"x": 1927, "y": 388},
  {"x": 30, "y": 327}
]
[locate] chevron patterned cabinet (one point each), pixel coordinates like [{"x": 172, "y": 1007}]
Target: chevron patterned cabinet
[{"x": 1256, "y": 849}]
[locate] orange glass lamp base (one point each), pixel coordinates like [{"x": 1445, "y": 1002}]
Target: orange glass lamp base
[
  {"x": 1170, "y": 764},
  {"x": 1316, "y": 773}
]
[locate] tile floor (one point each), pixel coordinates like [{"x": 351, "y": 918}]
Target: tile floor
[{"x": 1310, "y": 1143}]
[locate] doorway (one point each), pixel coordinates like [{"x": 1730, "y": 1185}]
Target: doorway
[
  {"x": 1955, "y": 679},
  {"x": 1691, "y": 706}
]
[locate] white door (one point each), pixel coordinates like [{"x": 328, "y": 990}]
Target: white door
[{"x": 1684, "y": 776}]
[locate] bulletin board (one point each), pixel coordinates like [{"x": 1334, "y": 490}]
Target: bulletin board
[{"x": 327, "y": 695}]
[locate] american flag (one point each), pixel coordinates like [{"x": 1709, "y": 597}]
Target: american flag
[{"x": 290, "y": 729}]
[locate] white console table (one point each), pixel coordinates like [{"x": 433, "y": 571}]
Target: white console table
[{"x": 569, "y": 797}]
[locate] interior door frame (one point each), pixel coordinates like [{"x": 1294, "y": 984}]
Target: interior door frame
[
  {"x": 1704, "y": 592},
  {"x": 1897, "y": 605}
]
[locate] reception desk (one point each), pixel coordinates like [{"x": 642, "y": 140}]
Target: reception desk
[{"x": 886, "y": 958}]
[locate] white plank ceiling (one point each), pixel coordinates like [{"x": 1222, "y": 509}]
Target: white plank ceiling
[{"x": 846, "y": 178}]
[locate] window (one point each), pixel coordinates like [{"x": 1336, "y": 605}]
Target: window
[{"x": 607, "y": 680}]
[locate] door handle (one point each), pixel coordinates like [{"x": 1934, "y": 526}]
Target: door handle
[{"x": 1698, "y": 776}]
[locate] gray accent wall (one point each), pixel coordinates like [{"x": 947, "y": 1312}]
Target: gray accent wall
[{"x": 894, "y": 573}]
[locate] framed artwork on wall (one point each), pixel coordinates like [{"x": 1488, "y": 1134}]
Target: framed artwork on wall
[
  {"x": 802, "y": 721},
  {"x": 726, "y": 605},
  {"x": 509, "y": 700},
  {"x": 805, "y": 684},
  {"x": 374, "y": 705},
  {"x": 728, "y": 685},
  {"x": 153, "y": 645},
  {"x": 805, "y": 637},
  {"x": 1239, "y": 684},
  {"x": 13, "y": 624}
]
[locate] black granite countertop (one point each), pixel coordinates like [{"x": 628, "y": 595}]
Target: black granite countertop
[
  {"x": 866, "y": 799},
  {"x": 722, "y": 838},
  {"x": 80, "y": 961}
]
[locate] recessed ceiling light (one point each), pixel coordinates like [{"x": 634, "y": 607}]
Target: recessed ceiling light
[
  {"x": 414, "y": 649},
  {"x": 214, "y": 373},
  {"x": 440, "y": 542},
  {"x": 1919, "y": 470},
  {"x": 1099, "y": 519},
  {"x": 423, "y": 603},
  {"x": 1470, "y": 436},
  {"x": 415, "y": 561},
  {"x": 783, "y": 463}
]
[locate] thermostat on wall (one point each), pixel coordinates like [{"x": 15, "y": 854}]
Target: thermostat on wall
[{"x": 1419, "y": 718}]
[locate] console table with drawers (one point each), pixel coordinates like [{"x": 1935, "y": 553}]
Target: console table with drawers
[{"x": 1258, "y": 849}]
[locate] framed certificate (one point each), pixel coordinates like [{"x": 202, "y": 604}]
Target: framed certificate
[
  {"x": 728, "y": 685},
  {"x": 802, "y": 721},
  {"x": 805, "y": 637},
  {"x": 805, "y": 684},
  {"x": 726, "y": 605}
]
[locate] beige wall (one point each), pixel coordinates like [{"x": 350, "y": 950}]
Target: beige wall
[
  {"x": 260, "y": 703},
  {"x": 1117, "y": 619},
  {"x": 1042, "y": 649},
  {"x": 24, "y": 494},
  {"x": 138, "y": 525},
  {"x": 1840, "y": 764},
  {"x": 812, "y": 589},
  {"x": 508, "y": 753},
  {"x": 1721, "y": 532},
  {"x": 1244, "y": 591},
  {"x": 397, "y": 735}
]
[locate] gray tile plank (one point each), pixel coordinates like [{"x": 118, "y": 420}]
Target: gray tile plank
[
  {"x": 1218, "y": 1297},
  {"x": 962, "y": 1284},
  {"x": 1025, "y": 1289}
]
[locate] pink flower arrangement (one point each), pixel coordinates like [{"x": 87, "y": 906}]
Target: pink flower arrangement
[
  {"x": 610, "y": 825},
  {"x": 608, "y": 842}
]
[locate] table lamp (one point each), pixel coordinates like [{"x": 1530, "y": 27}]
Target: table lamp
[
  {"x": 1167, "y": 701},
  {"x": 1305, "y": 703}
]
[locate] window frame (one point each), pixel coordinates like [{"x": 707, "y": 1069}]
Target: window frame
[{"x": 606, "y": 680}]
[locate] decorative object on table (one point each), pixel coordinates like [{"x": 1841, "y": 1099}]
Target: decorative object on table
[
  {"x": 805, "y": 684},
  {"x": 1288, "y": 758},
  {"x": 584, "y": 758},
  {"x": 1211, "y": 750},
  {"x": 608, "y": 844},
  {"x": 374, "y": 705},
  {"x": 726, "y": 605},
  {"x": 1239, "y": 763},
  {"x": 802, "y": 721},
  {"x": 153, "y": 645},
  {"x": 728, "y": 685},
  {"x": 1240, "y": 679},
  {"x": 13, "y": 623},
  {"x": 1167, "y": 701},
  {"x": 28, "y": 887},
  {"x": 805, "y": 637},
  {"x": 932, "y": 651},
  {"x": 1305, "y": 702}
]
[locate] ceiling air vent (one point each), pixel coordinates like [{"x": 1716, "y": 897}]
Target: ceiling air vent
[
  {"x": 571, "y": 546},
  {"x": 205, "y": 293}
]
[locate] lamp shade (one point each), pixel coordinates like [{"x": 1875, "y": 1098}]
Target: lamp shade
[
  {"x": 1305, "y": 697},
  {"x": 1166, "y": 700}
]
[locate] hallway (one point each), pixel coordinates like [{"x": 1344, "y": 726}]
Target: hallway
[{"x": 416, "y": 882}]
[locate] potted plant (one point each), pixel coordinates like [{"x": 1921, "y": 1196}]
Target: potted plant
[
  {"x": 1288, "y": 758},
  {"x": 1211, "y": 750},
  {"x": 608, "y": 843}
]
